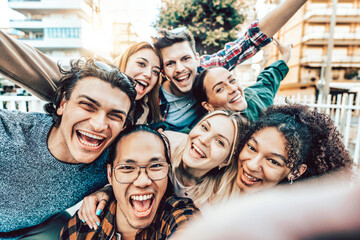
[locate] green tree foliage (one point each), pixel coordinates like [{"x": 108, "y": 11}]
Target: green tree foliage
[
  {"x": 351, "y": 73},
  {"x": 213, "y": 22}
]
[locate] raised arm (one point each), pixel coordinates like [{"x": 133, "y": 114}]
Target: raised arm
[
  {"x": 277, "y": 18},
  {"x": 258, "y": 35},
  {"x": 28, "y": 67}
]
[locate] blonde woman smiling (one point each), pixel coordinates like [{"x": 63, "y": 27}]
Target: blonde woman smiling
[{"x": 200, "y": 160}]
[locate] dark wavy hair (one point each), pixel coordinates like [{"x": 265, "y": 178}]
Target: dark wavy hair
[
  {"x": 167, "y": 38},
  {"x": 198, "y": 89},
  {"x": 80, "y": 69},
  {"x": 312, "y": 139}
]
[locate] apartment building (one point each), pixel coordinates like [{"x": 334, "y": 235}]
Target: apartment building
[
  {"x": 123, "y": 35},
  {"x": 60, "y": 29},
  {"x": 308, "y": 31}
]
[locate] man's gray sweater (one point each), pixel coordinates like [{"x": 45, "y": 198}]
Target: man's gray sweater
[{"x": 33, "y": 184}]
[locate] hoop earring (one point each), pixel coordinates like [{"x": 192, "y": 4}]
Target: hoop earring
[{"x": 291, "y": 180}]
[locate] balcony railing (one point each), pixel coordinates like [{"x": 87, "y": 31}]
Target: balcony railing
[
  {"x": 322, "y": 37},
  {"x": 340, "y": 11},
  {"x": 25, "y": 20},
  {"x": 336, "y": 61}
]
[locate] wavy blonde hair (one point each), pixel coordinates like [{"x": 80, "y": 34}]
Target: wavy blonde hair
[
  {"x": 153, "y": 96},
  {"x": 217, "y": 184}
]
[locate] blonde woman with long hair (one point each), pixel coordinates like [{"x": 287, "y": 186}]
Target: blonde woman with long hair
[{"x": 201, "y": 160}]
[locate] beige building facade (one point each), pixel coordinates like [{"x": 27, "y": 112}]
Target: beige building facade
[{"x": 308, "y": 31}]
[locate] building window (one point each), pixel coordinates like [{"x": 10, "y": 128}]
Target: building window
[{"x": 62, "y": 32}]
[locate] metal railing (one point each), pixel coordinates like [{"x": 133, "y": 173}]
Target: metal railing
[
  {"x": 343, "y": 109},
  {"x": 22, "y": 103}
]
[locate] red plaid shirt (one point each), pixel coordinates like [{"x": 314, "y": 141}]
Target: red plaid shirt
[{"x": 238, "y": 51}]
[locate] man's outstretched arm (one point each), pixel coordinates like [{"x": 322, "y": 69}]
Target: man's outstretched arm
[{"x": 28, "y": 67}]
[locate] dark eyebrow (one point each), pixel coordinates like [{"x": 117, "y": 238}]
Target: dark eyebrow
[
  {"x": 129, "y": 161},
  {"x": 98, "y": 104},
  {"x": 219, "y": 83},
  {"x": 274, "y": 154},
  {"x": 90, "y": 99},
  {"x": 156, "y": 159}
]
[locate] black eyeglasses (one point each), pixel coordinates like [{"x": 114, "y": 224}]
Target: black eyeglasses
[
  {"x": 108, "y": 68},
  {"x": 128, "y": 173}
]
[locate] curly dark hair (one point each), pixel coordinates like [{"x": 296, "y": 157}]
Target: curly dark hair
[
  {"x": 88, "y": 68},
  {"x": 312, "y": 139}
]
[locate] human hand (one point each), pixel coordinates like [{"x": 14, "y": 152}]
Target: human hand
[
  {"x": 284, "y": 49},
  {"x": 92, "y": 207}
]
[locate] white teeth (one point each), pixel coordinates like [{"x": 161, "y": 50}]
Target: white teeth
[
  {"x": 199, "y": 151},
  {"x": 145, "y": 84},
  {"x": 235, "y": 98},
  {"x": 251, "y": 178},
  {"x": 143, "y": 213},
  {"x": 141, "y": 197},
  {"x": 182, "y": 78},
  {"x": 91, "y": 135},
  {"x": 89, "y": 144}
]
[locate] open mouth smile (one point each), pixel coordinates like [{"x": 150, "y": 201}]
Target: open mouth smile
[
  {"x": 249, "y": 180},
  {"x": 197, "y": 151},
  {"x": 142, "y": 204},
  {"x": 88, "y": 140},
  {"x": 141, "y": 84},
  {"x": 182, "y": 78},
  {"x": 237, "y": 98}
]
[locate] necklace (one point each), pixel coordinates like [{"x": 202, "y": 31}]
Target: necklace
[{"x": 193, "y": 181}]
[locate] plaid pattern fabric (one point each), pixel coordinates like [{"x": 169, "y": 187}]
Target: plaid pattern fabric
[
  {"x": 171, "y": 213},
  {"x": 238, "y": 51}
]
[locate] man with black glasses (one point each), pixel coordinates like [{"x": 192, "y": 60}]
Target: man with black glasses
[
  {"x": 143, "y": 206},
  {"x": 49, "y": 162}
]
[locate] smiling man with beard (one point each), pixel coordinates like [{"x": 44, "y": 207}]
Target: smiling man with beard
[
  {"x": 143, "y": 206},
  {"x": 49, "y": 162}
]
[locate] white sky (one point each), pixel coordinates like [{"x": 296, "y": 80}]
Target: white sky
[{"x": 142, "y": 13}]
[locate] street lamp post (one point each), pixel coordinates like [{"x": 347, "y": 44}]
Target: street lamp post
[{"x": 325, "y": 88}]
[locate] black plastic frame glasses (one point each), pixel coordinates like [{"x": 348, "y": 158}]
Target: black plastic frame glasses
[{"x": 128, "y": 173}]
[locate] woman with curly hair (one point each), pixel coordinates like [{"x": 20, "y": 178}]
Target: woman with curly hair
[{"x": 289, "y": 142}]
